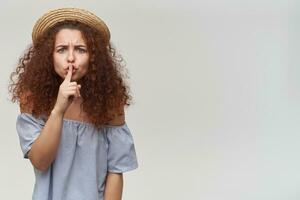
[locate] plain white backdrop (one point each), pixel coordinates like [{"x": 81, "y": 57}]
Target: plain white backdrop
[{"x": 216, "y": 96}]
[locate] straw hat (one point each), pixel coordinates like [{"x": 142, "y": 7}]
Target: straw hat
[{"x": 52, "y": 17}]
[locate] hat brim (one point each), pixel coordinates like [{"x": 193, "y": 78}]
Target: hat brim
[{"x": 53, "y": 17}]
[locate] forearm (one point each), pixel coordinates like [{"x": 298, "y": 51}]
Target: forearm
[
  {"x": 113, "y": 186},
  {"x": 44, "y": 149}
]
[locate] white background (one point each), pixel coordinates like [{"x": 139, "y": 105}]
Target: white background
[{"x": 216, "y": 96}]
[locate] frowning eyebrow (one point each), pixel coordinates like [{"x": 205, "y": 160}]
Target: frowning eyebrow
[{"x": 76, "y": 46}]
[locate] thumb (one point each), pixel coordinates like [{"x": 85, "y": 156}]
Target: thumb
[{"x": 78, "y": 90}]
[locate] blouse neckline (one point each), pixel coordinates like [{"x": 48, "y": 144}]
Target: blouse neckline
[{"x": 83, "y": 122}]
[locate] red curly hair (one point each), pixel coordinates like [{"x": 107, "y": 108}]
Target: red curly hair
[{"x": 35, "y": 84}]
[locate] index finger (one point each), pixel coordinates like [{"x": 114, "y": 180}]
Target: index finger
[{"x": 69, "y": 75}]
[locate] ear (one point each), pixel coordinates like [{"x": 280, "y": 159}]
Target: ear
[{"x": 119, "y": 117}]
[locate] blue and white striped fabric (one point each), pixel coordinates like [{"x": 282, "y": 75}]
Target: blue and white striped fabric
[{"x": 83, "y": 159}]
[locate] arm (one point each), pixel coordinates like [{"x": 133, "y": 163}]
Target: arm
[
  {"x": 113, "y": 186},
  {"x": 114, "y": 181},
  {"x": 44, "y": 148}
]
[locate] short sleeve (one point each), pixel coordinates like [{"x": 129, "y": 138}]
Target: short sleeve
[
  {"x": 28, "y": 128},
  {"x": 121, "y": 150}
]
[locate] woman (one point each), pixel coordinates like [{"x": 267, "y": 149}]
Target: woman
[{"x": 72, "y": 97}]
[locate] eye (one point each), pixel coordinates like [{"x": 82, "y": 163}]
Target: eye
[
  {"x": 81, "y": 50},
  {"x": 60, "y": 50}
]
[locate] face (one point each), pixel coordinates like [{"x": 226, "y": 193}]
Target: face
[{"x": 70, "y": 49}]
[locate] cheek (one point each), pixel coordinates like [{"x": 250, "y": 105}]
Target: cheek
[
  {"x": 56, "y": 57},
  {"x": 57, "y": 63},
  {"x": 86, "y": 59},
  {"x": 85, "y": 62}
]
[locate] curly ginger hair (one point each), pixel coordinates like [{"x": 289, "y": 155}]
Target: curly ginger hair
[{"x": 35, "y": 84}]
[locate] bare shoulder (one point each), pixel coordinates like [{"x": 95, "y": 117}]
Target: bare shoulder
[{"x": 119, "y": 117}]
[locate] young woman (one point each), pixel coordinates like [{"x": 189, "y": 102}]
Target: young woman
[{"x": 72, "y": 97}]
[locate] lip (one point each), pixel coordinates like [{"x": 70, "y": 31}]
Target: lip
[
  {"x": 73, "y": 72},
  {"x": 67, "y": 67}
]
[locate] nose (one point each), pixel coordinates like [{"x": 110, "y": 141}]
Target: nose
[{"x": 71, "y": 57}]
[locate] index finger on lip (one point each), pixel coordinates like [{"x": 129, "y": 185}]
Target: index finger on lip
[{"x": 69, "y": 74}]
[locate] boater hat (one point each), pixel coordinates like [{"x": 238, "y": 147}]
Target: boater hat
[{"x": 52, "y": 17}]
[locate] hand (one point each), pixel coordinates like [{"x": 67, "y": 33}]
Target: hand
[{"x": 67, "y": 91}]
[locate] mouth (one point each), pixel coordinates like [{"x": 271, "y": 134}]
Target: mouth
[{"x": 73, "y": 71}]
